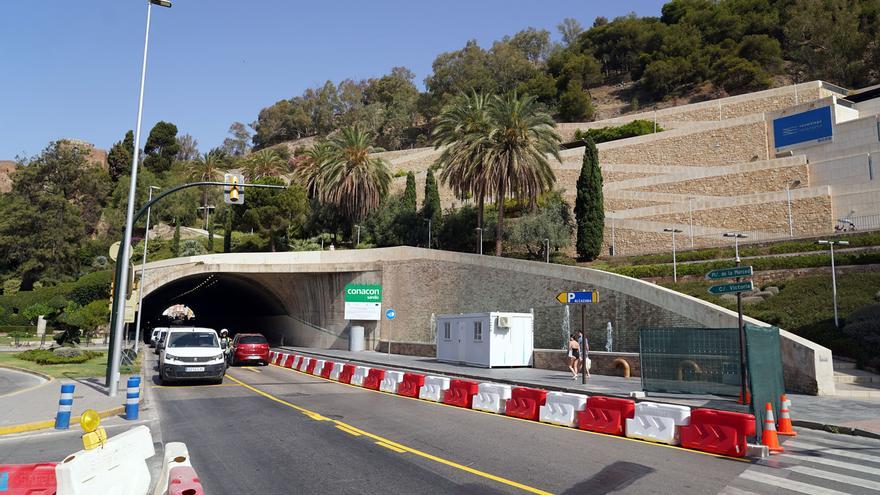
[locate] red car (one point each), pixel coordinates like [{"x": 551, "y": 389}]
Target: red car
[{"x": 249, "y": 348}]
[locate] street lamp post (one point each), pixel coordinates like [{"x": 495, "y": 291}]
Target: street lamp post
[
  {"x": 358, "y": 242},
  {"x": 788, "y": 193},
  {"x": 125, "y": 248},
  {"x": 691, "y": 219},
  {"x": 140, "y": 311},
  {"x": 547, "y": 250},
  {"x": 739, "y": 311},
  {"x": 674, "y": 261},
  {"x": 480, "y": 230},
  {"x": 207, "y": 209},
  {"x": 429, "y": 231},
  {"x": 831, "y": 244}
]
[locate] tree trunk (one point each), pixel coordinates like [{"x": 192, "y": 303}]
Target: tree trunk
[{"x": 499, "y": 227}]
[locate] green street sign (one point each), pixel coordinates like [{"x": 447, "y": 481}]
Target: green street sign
[
  {"x": 728, "y": 288},
  {"x": 739, "y": 271},
  {"x": 363, "y": 293}
]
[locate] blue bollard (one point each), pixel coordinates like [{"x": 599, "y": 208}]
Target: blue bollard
[
  {"x": 132, "y": 397},
  {"x": 65, "y": 403}
]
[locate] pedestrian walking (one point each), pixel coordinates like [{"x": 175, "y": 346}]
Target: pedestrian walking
[{"x": 574, "y": 356}]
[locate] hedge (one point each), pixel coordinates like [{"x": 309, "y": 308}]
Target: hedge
[{"x": 45, "y": 356}]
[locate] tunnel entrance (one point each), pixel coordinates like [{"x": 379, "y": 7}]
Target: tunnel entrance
[{"x": 216, "y": 300}]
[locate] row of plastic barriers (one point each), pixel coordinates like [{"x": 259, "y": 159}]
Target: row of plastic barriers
[{"x": 706, "y": 430}]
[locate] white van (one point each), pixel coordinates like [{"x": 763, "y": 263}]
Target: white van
[
  {"x": 154, "y": 336},
  {"x": 191, "y": 353}
]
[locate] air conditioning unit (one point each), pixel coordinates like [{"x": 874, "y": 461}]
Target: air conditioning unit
[{"x": 504, "y": 322}]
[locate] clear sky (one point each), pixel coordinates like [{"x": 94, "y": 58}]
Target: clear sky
[{"x": 70, "y": 68}]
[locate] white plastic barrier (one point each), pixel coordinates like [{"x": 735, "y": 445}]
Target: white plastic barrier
[
  {"x": 319, "y": 365},
  {"x": 336, "y": 371},
  {"x": 433, "y": 388},
  {"x": 391, "y": 381},
  {"x": 119, "y": 467},
  {"x": 176, "y": 455},
  {"x": 272, "y": 355},
  {"x": 296, "y": 362},
  {"x": 491, "y": 397},
  {"x": 658, "y": 422},
  {"x": 360, "y": 372},
  {"x": 304, "y": 363},
  {"x": 561, "y": 408}
]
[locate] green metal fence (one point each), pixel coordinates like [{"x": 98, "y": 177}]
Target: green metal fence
[{"x": 766, "y": 382}]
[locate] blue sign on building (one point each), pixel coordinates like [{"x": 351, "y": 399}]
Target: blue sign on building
[{"x": 810, "y": 126}]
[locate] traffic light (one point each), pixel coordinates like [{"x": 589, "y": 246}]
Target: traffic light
[{"x": 233, "y": 192}]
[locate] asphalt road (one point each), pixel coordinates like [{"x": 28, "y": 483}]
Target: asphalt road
[
  {"x": 12, "y": 381},
  {"x": 275, "y": 431}
]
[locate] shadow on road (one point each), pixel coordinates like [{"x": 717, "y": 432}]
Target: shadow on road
[{"x": 612, "y": 478}]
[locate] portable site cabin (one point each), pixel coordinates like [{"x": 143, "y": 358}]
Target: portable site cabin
[{"x": 486, "y": 339}]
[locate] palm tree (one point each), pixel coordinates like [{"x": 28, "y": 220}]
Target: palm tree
[
  {"x": 459, "y": 127},
  {"x": 514, "y": 152},
  {"x": 264, "y": 163},
  {"x": 307, "y": 167},
  {"x": 351, "y": 178},
  {"x": 207, "y": 167}
]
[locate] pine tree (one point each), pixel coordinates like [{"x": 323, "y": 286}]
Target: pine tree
[
  {"x": 227, "y": 232},
  {"x": 409, "y": 195},
  {"x": 431, "y": 204},
  {"x": 120, "y": 157},
  {"x": 589, "y": 208},
  {"x": 175, "y": 241}
]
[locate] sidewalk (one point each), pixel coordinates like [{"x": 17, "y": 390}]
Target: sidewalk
[
  {"x": 859, "y": 417},
  {"x": 35, "y": 408}
]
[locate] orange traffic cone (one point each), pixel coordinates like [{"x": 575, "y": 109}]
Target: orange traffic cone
[
  {"x": 768, "y": 437},
  {"x": 785, "y": 427}
]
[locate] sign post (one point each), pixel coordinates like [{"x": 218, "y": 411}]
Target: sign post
[
  {"x": 737, "y": 287},
  {"x": 583, "y": 298},
  {"x": 391, "y": 315}
]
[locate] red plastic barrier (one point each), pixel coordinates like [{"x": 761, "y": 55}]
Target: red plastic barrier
[
  {"x": 460, "y": 393},
  {"x": 183, "y": 480},
  {"x": 310, "y": 368},
  {"x": 606, "y": 415},
  {"x": 347, "y": 371},
  {"x": 374, "y": 379},
  {"x": 28, "y": 479},
  {"x": 718, "y": 432},
  {"x": 287, "y": 361},
  {"x": 328, "y": 367},
  {"x": 411, "y": 384},
  {"x": 525, "y": 402},
  {"x": 277, "y": 358}
]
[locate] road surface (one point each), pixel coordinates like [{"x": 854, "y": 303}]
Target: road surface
[{"x": 12, "y": 381}]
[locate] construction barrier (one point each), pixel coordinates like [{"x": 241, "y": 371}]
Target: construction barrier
[
  {"x": 185, "y": 481},
  {"x": 297, "y": 359},
  {"x": 336, "y": 371},
  {"x": 328, "y": 367},
  {"x": 287, "y": 360},
  {"x": 718, "y": 432},
  {"x": 411, "y": 384},
  {"x": 391, "y": 381},
  {"x": 658, "y": 422},
  {"x": 460, "y": 393},
  {"x": 118, "y": 467},
  {"x": 491, "y": 397},
  {"x": 374, "y": 379},
  {"x": 360, "y": 373},
  {"x": 28, "y": 479},
  {"x": 434, "y": 388},
  {"x": 272, "y": 356},
  {"x": 65, "y": 403},
  {"x": 304, "y": 364},
  {"x": 132, "y": 397},
  {"x": 347, "y": 373},
  {"x": 315, "y": 366},
  {"x": 177, "y": 474},
  {"x": 606, "y": 415},
  {"x": 525, "y": 402},
  {"x": 562, "y": 408}
]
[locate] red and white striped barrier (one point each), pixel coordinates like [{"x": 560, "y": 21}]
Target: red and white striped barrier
[{"x": 491, "y": 397}]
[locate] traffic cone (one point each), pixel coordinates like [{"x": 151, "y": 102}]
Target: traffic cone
[
  {"x": 748, "y": 397},
  {"x": 768, "y": 436},
  {"x": 785, "y": 427}
]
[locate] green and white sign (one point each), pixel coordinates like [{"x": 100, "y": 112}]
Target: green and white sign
[
  {"x": 363, "y": 302},
  {"x": 728, "y": 288},
  {"x": 739, "y": 271}
]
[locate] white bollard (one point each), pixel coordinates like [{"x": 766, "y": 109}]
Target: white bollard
[
  {"x": 433, "y": 388},
  {"x": 561, "y": 408},
  {"x": 304, "y": 363},
  {"x": 491, "y": 397},
  {"x": 657, "y": 422},
  {"x": 390, "y": 382},
  {"x": 336, "y": 371},
  {"x": 360, "y": 372},
  {"x": 319, "y": 365},
  {"x": 118, "y": 467}
]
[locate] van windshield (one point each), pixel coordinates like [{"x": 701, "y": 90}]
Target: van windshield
[{"x": 194, "y": 339}]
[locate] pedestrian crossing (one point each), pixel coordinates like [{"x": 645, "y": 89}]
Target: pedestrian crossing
[{"x": 815, "y": 463}]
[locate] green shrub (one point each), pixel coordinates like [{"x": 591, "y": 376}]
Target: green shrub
[
  {"x": 45, "y": 356},
  {"x": 863, "y": 326},
  {"x": 67, "y": 352},
  {"x": 91, "y": 287},
  {"x": 613, "y": 133}
]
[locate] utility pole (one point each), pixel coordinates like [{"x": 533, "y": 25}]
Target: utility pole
[
  {"x": 674, "y": 261},
  {"x": 831, "y": 244},
  {"x": 480, "y": 230},
  {"x": 788, "y": 193},
  {"x": 140, "y": 308},
  {"x": 739, "y": 310}
]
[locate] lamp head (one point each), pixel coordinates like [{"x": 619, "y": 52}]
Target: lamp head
[{"x": 162, "y": 3}]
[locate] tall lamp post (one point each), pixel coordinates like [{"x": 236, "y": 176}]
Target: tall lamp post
[
  {"x": 739, "y": 311},
  {"x": 788, "y": 188},
  {"x": 831, "y": 244},
  {"x": 429, "y": 231},
  {"x": 674, "y": 261},
  {"x": 480, "y": 230},
  {"x": 358, "y": 243},
  {"x": 547, "y": 250},
  {"x": 137, "y": 326},
  {"x": 125, "y": 248}
]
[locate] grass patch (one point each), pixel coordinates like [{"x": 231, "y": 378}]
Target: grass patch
[
  {"x": 804, "y": 306},
  {"x": 95, "y": 366}
]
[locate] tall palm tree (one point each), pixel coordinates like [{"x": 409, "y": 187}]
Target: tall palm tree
[
  {"x": 351, "y": 178},
  {"x": 514, "y": 152},
  {"x": 307, "y": 168},
  {"x": 264, "y": 163},
  {"x": 207, "y": 167},
  {"x": 459, "y": 127}
]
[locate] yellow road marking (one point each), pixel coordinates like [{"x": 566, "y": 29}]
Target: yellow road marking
[
  {"x": 313, "y": 415},
  {"x": 397, "y": 447},
  {"x": 41, "y": 425},
  {"x": 251, "y": 369},
  {"x": 636, "y": 440},
  {"x": 350, "y": 432},
  {"x": 391, "y": 447}
]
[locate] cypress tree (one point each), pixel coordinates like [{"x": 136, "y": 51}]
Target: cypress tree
[
  {"x": 431, "y": 205},
  {"x": 211, "y": 237},
  {"x": 409, "y": 195},
  {"x": 227, "y": 232},
  {"x": 175, "y": 241},
  {"x": 589, "y": 206}
]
